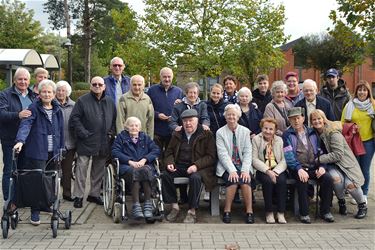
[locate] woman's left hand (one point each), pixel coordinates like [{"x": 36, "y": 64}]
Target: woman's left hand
[
  {"x": 321, "y": 171},
  {"x": 245, "y": 177}
]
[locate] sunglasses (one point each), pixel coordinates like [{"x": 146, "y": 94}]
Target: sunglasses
[
  {"x": 97, "y": 84},
  {"x": 117, "y": 65}
]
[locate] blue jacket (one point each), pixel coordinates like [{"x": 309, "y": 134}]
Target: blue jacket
[
  {"x": 110, "y": 86},
  {"x": 125, "y": 149},
  {"x": 322, "y": 104},
  {"x": 253, "y": 121},
  {"x": 163, "y": 102},
  {"x": 10, "y": 106},
  {"x": 216, "y": 114},
  {"x": 33, "y": 131},
  {"x": 290, "y": 147}
]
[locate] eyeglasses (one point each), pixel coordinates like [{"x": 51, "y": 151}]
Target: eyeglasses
[
  {"x": 117, "y": 65},
  {"x": 97, "y": 84}
]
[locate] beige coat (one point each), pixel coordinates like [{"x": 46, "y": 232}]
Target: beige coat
[
  {"x": 259, "y": 145},
  {"x": 340, "y": 154},
  {"x": 142, "y": 109},
  {"x": 272, "y": 112}
]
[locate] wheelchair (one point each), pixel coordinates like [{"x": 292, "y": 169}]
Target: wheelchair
[
  {"x": 114, "y": 194},
  {"x": 23, "y": 186}
]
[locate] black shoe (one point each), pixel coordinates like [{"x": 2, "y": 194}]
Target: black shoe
[
  {"x": 305, "y": 219},
  {"x": 227, "y": 217},
  {"x": 96, "y": 200},
  {"x": 78, "y": 202},
  {"x": 342, "y": 207},
  {"x": 249, "y": 218},
  {"x": 67, "y": 198},
  {"x": 328, "y": 217},
  {"x": 362, "y": 211}
]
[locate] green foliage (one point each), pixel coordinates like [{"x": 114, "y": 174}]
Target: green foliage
[
  {"x": 81, "y": 86},
  {"x": 3, "y": 84},
  {"x": 341, "y": 49},
  {"x": 17, "y": 27}
]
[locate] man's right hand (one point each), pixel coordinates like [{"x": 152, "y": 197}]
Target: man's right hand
[
  {"x": 18, "y": 147},
  {"x": 171, "y": 168},
  {"x": 178, "y": 128},
  {"x": 163, "y": 117},
  {"x": 303, "y": 175},
  {"x": 24, "y": 113}
]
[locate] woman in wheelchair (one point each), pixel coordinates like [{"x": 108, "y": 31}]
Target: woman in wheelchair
[
  {"x": 136, "y": 152},
  {"x": 42, "y": 136}
]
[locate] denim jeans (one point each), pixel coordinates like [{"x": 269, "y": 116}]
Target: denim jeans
[{"x": 365, "y": 163}]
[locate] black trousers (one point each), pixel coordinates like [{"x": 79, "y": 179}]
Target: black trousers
[
  {"x": 325, "y": 193},
  {"x": 270, "y": 189},
  {"x": 169, "y": 188},
  {"x": 162, "y": 142},
  {"x": 66, "y": 167}
]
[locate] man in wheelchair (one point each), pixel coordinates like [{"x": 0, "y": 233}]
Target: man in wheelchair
[{"x": 136, "y": 152}]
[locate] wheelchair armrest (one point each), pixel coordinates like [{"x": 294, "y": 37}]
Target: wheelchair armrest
[{"x": 156, "y": 165}]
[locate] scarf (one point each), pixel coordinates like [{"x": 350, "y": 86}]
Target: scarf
[{"x": 363, "y": 106}]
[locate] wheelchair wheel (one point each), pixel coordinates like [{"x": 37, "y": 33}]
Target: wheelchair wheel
[
  {"x": 14, "y": 220},
  {"x": 54, "y": 226},
  {"x": 109, "y": 189},
  {"x": 117, "y": 212},
  {"x": 68, "y": 219},
  {"x": 5, "y": 227}
]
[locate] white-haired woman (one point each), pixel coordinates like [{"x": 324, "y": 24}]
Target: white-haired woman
[
  {"x": 41, "y": 135},
  {"x": 234, "y": 166},
  {"x": 251, "y": 115},
  {"x": 63, "y": 91},
  {"x": 278, "y": 107},
  {"x": 136, "y": 152}
]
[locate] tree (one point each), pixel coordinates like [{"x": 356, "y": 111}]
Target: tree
[
  {"x": 17, "y": 27},
  {"x": 206, "y": 34},
  {"x": 324, "y": 51}
]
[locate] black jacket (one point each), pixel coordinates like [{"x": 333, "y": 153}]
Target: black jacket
[
  {"x": 322, "y": 104},
  {"x": 92, "y": 122},
  {"x": 261, "y": 100},
  {"x": 10, "y": 106},
  {"x": 338, "y": 97},
  {"x": 216, "y": 114}
]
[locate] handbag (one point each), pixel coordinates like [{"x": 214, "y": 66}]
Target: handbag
[{"x": 351, "y": 133}]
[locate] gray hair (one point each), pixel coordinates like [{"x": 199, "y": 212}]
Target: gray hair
[
  {"x": 245, "y": 90},
  {"x": 47, "y": 82},
  {"x": 166, "y": 69},
  {"x": 191, "y": 85},
  {"x": 65, "y": 84},
  {"x": 41, "y": 70},
  {"x": 132, "y": 119},
  {"x": 20, "y": 71},
  {"x": 137, "y": 76},
  {"x": 277, "y": 85},
  {"x": 236, "y": 109},
  {"x": 116, "y": 58},
  {"x": 310, "y": 81}
]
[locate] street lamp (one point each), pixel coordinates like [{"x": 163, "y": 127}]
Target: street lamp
[{"x": 68, "y": 44}]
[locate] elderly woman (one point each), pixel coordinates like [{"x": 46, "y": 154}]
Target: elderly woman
[
  {"x": 136, "y": 152},
  {"x": 41, "y": 134},
  {"x": 190, "y": 101},
  {"x": 269, "y": 161},
  {"x": 278, "y": 107},
  {"x": 234, "y": 166},
  {"x": 251, "y": 115},
  {"x": 215, "y": 108},
  {"x": 63, "y": 91},
  {"x": 343, "y": 166},
  {"x": 40, "y": 75},
  {"x": 360, "y": 110}
]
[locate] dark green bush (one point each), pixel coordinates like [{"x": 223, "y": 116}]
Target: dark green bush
[{"x": 81, "y": 86}]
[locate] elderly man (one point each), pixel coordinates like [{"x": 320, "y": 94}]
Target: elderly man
[
  {"x": 294, "y": 94},
  {"x": 92, "y": 121},
  {"x": 14, "y": 102},
  {"x": 40, "y": 75},
  {"x": 312, "y": 101},
  {"x": 116, "y": 84},
  {"x": 163, "y": 97},
  {"x": 335, "y": 91},
  {"x": 262, "y": 95},
  {"x": 136, "y": 103},
  {"x": 302, "y": 157},
  {"x": 191, "y": 153}
]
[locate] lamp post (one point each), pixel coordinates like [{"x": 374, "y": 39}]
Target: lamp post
[{"x": 68, "y": 44}]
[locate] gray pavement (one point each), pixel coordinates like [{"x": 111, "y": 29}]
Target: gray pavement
[{"x": 92, "y": 229}]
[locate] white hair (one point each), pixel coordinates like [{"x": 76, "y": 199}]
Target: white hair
[
  {"x": 245, "y": 90},
  {"x": 234, "y": 107},
  {"x": 116, "y": 58},
  {"x": 277, "y": 85},
  {"x": 132, "y": 119},
  {"x": 310, "y": 81},
  {"x": 20, "y": 71},
  {"x": 65, "y": 84},
  {"x": 47, "y": 82}
]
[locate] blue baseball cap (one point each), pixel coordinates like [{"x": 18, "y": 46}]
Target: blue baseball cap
[{"x": 332, "y": 72}]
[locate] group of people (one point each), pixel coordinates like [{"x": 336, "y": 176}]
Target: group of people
[{"x": 268, "y": 135}]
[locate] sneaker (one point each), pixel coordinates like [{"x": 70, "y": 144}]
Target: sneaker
[
  {"x": 206, "y": 196},
  {"x": 34, "y": 218},
  {"x": 148, "y": 209},
  {"x": 281, "y": 218},
  {"x": 270, "y": 219},
  {"x": 190, "y": 218},
  {"x": 328, "y": 217},
  {"x": 172, "y": 216},
  {"x": 137, "y": 211},
  {"x": 342, "y": 207},
  {"x": 362, "y": 211},
  {"x": 305, "y": 219}
]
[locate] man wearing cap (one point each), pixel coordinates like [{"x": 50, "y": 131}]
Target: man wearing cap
[
  {"x": 301, "y": 150},
  {"x": 294, "y": 93},
  {"x": 336, "y": 92},
  {"x": 312, "y": 101},
  {"x": 191, "y": 153}
]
